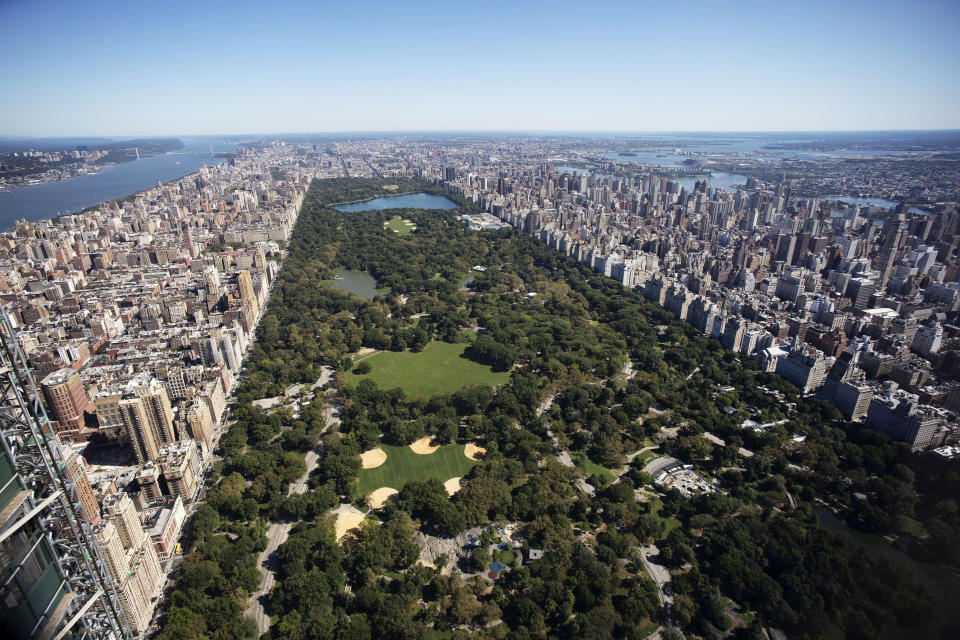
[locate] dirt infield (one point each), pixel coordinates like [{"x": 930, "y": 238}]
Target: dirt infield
[
  {"x": 452, "y": 486},
  {"x": 423, "y": 446},
  {"x": 373, "y": 458},
  {"x": 474, "y": 452},
  {"x": 347, "y": 518},
  {"x": 380, "y": 497}
]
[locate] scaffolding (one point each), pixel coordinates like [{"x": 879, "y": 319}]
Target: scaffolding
[{"x": 50, "y": 501}]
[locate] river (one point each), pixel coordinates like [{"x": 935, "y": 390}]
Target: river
[{"x": 50, "y": 199}]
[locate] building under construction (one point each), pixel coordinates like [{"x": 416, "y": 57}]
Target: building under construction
[{"x": 55, "y": 579}]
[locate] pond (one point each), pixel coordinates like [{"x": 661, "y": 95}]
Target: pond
[
  {"x": 406, "y": 201},
  {"x": 359, "y": 283}
]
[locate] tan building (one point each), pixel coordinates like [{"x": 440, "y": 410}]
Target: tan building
[
  {"x": 114, "y": 554},
  {"x": 157, "y": 402},
  {"x": 148, "y": 478},
  {"x": 181, "y": 468},
  {"x": 77, "y": 473},
  {"x": 247, "y": 295},
  {"x": 140, "y": 429},
  {"x": 119, "y": 509},
  {"x": 108, "y": 411},
  {"x": 200, "y": 423}
]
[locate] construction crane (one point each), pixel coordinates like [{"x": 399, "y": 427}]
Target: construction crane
[{"x": 53, "y": 580}]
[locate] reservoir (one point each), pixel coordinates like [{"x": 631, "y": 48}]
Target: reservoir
[
  {"x": 406, "y": 201},
  {"x": 50, "y": 199},
  {"x": 359, "y": 283}
]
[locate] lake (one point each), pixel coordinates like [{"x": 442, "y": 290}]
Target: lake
[
  {"x": 359, "y": 283},
  {"x": 943, "y": 586},
  {"x": 406, "y": 201},
  {"x": 50, "y": 199}
]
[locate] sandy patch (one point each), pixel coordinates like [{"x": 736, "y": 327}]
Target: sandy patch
[
  {"x": 379, "y": 497},
  {"x": 474, "y": 452},
  {"x": 452, "y": 486},
  {"x": 347, "y": 518},
  {"x": 365, "y": 351},
  {"x": 423, "y": 446},
  {"x": 373, "y": 458}
]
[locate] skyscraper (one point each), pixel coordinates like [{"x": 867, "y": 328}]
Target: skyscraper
[
  {"x": 245, "y": 287},
  {"x": 140, "y": 429},
  {"x": 890, "y": 240}
]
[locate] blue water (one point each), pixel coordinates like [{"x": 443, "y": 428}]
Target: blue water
[
  {"x": 408, "y": 201},
  {"x": 50, "y": 199},
  {"x": 717, "y": 180},
  {"x": 872, "y": 202}
]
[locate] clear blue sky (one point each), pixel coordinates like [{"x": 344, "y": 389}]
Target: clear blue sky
[{"x": 145, "y": 68}]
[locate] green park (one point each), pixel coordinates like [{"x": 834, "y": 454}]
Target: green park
[
  {"x": 440, "y": 368},
  {"x": 403, "y": 466}
]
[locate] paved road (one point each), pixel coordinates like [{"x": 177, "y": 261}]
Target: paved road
[{"x": 659, "y": 573}]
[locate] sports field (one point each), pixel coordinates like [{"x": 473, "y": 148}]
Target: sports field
[
  {"x": 403, "y": 465},
  {"x": 401, "y": 226},
  {"x": 439, "y": 368}
]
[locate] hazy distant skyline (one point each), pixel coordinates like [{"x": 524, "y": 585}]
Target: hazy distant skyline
[{"x": 125, "y": 69}]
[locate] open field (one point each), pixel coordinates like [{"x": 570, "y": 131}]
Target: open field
[
  {"x": 399, "y": 225},
  {"x": 439, "y": 368},
  {"x": 593, "y": 468},
  {"x": 403, "y": 465}
]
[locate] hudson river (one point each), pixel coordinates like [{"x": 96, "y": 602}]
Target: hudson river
[{"x": 50, "y": 199}]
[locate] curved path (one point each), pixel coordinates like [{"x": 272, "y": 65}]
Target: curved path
[{"x": 277, "y": 534}]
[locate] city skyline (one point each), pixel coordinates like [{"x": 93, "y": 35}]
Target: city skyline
[{"x": 748, "y": 68}]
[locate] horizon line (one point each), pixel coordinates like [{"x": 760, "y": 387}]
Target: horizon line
[{"x": 5, "y": 136}]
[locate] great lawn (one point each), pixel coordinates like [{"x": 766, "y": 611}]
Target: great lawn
[
  {"x": 403, "y": 465},
  {"x": 439, "y": 368},
  {"x": 401, "y": 226}
]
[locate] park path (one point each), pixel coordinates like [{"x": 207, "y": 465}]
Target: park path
[{"x": 277, "y": 534}]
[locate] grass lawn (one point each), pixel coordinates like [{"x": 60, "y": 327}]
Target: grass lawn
[
  {"x": 398, "y": 224},
  {"x": 646, "y": 628},
  {"x": 911, "y": 526},
  {"x": 403, "y": 465},
  {"x": 505, "y": 556},
  {"x": 669, "y": 524},
  {"x": 593, "y": 468},
  {"x": 439, "y": 368},
  {"x": 644, "y": 458}
]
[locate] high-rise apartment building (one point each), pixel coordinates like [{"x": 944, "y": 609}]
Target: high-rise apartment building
[
  {"x": 67, "y": 401},
  {"x": 91, "y": 508},
  {"x": 247, "y": 295},
  {"x": 140, "y": 430}
]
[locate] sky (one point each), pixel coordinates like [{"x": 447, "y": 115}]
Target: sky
[{"x": 105, "y": 68}]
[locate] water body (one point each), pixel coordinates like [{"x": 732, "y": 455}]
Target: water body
[
  {"x": 943, "y": 586},
  {"x": 359, "y": 283},
  {"x": 50, "y": 199},
  {"x": 717, "y": 180},
  {"x": 466, "y": 281},
  {"x": 872, "y": 202},
  {"x": 406, "y": 201}
]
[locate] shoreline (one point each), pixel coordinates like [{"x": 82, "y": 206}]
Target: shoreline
[{"x": 85, "y": 209}]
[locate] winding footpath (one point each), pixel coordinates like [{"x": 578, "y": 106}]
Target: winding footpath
[{"x": 277, "y": 534}]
